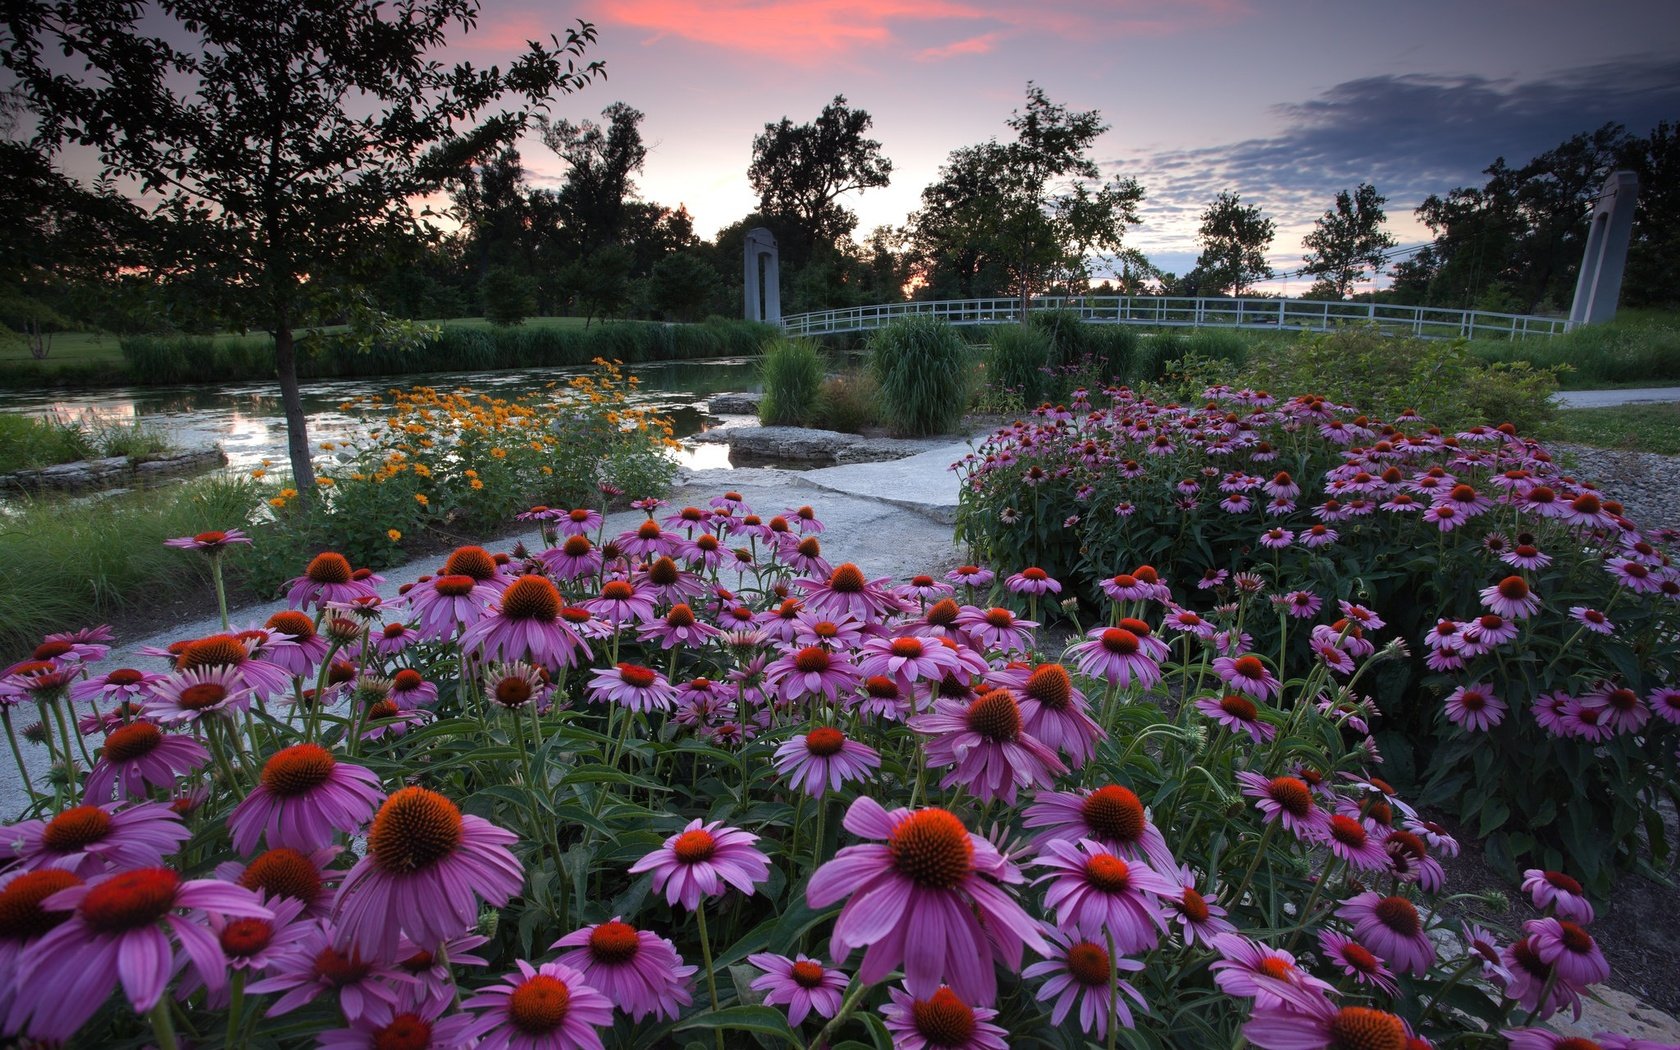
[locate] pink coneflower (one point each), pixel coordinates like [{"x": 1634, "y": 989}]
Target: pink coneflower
[
  {"x": 91, "y": 840},
  {"x": 1570, "y": 948},
  {"x": 931, "y": 875},
  {"x": 1409, "y": 860},
  {"x": 415, "y": 1023},
  {"x": 1587, "y": 510},
  {"x": 200, "y": 693},
  {"x": 1586, "y": 721},
  {"x": 804, "y": 555},
  {"x": 138, "y": 757},
  {"x": 802, "y": 984},
  {"x": 1248, "y": 675},
  {"x": 1393, "y": 929},
  {"x": 1318, "y": 535},
  {"x": 1300, "y": 1022},
  {"x": 1486, "y": 633},
  {"x": 1250, "y": 969},
  {"x": 546, "y": 1006},
  {"x": 26, "y": 920},
  {"x": 313, "y": 967},
  {"x": 282, "y": 873},
  {"x": 986, "y": 747},
  {"x": 1351, "y": 840},
  {"x": 1198, "y": 916},
  {"x": 308, "y": 648},
  {"x": 1592, "y": 619},
  {"x": 579, "y": 522},
  {"x": 1187, "y": 621},
  {"x": 824, "y": 759},
  {"x": 1623, "y": 710},
  {"x": 1474, "y": 708},
  {"x": 907, "y": 660},
  {"x": 513, "y": 686},
  {"x": 846, "y": 592},
  {"x": 1665, "y": 702},
  {"x": 814, "y": 630},
  {"x": 812, "y": 671},
  {"x": 447, "y": 605},
  {"x": 971, "y": 576},
  {"x": 1530, "y": 977},
  {"x": 641, "y": 689},
  {"x": 804, "y": 519},
  {"x": 119, "y": 935},
  {"x": 620, "y": 601},
  {"x": 1357, "y": 961},
  {"x": 647, "y": 541},
  {"x": 1110, "y": 815},
  {"x": 328, "y": 578},
  {"x": 235, "y": 652},
  {"x": 409, "y": 690},
  {"x": 214, "y": 542},
  {"x": 121, "y": 685},
  {"x": 1054, "y": 711},
  {"x": 250, "y": 945},
  {"x": 942, "y": 1021},
  {"x": 1558, "y": 894},
  {"x": 527, "y": 625},
  {"x": 1123, "y": 656},
  {"x": 1511, "y": 598},
  {"x": 1635, "y": 576},
  {"x": 303, "y": 797},
  {"x": 426, "y": 867},
  {"x": 393, "y": 638},
  {"x": 639, "y": 971},
  {"x": 1124, "y": 587},
  {"x": 1526, "y": 556},
  {"x": 1287, "y": 800},
  {"x": 665, "y": 581},
  {"x": 996, "y": 629},
  {"x": 679, "y": 627},
  {"x": 1092, "y": 888},
  {"x": 1034, "y": 581},
  {"x": 704, "y": 860},
  {"x": 1079, "y": 969},
  {"x": 575, "y": 558},
  {"x": 1239, "y": 714}
]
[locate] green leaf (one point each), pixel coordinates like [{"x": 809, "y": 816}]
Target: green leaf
[{"x": 766, "y": 1020}]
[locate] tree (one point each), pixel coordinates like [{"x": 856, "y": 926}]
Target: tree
[
  {"x": 801, "y": 171},
  {"x": 1349, "y": 240},
  {"x": 1653, "y": 267},
  {"x": 281, "y": 142},
  {"x": 681, "y": 285},
  {"x": 507, "y": 295},
  {"x": 1234, "y": 238},
  {"x": 601, "y": 161}
]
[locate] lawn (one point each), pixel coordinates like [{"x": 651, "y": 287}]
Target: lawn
[{"x": 1639, "y": 428}]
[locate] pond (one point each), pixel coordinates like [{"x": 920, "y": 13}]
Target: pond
[{"x": 245, "y": 419}]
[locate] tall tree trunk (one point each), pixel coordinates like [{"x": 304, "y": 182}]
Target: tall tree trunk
[{"x": 291, "y": 400}]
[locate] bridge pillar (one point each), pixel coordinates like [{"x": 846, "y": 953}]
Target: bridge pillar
[
  {"x": 1600, "y": 283},
  {"x": 761, "y": 285}
]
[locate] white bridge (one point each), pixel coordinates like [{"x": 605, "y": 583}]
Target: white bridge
[{"x": 1289, "y": 315}]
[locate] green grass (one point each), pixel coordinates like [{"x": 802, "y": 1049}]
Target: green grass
[
  {"x": 1639, "y": 428},
  {"x": 1638, "y": 348},
  {"x": 27, "y": 442},
  {"x": 65, "y": 568}
]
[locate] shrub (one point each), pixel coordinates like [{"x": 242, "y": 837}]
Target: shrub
[
  {"x": 509, "y": 296},
  {"x": 1017, "y": 362},
  {"x": 924, "y": 370},
  {"x": 1638, "y": 348},
  {"x": 27, "y": 442},
  {"x": 1093, "y": 496},
  {"x": 792, "y": 374},
  {"x": 849, "y": 402}
]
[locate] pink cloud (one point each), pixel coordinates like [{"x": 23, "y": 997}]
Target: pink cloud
[{"x": 974, "y": 45}]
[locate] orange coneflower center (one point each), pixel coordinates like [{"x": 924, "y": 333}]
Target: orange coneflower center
[
  {"x": 458, "y": 586},
  {"x": 383, "y": 709},
  {"x": 999, "y": 617},
  {"x": 1574, "y": 937},
  {"x": 995, "y": 716},
  {"x": 663, "y": 572},
  {"x": 881, "y": 687},
  {"x": 1623, "y": 699},
  {"x": 846, "y": 579},
  {"x": 1562, "y": 882},
  {"x": 1407, "y": 844},
  {"x": 648, "y": 530},
  {"x": 1347, "y": 831},
  {"x": 1586, "y": 503},
  {"x": 328, "y": 567},
  {"x": 339, "y": 968},
  {"x": 21, "y": 915},
  {"x": 809, "y": 547},
  {"x": 1125, "y": 579},
  {"x": 246, "y": 937},
  {"x": 943, "y": 1020},
  {"x": 1193, "y": 905},
  {"x": 471, "y": 561},
  {"x": 1398, "y": 914},
  {"x": 76, "y": 828},
  {"x": 635, "y": 675},
  {"x": 1292, "y": 795},
  {"x": 1249, "y": 667},
  {"x": 126, "y": 743},
  {"x": 51, "y": 650},
  {"x": 1120, "y": 641},
  {"x": 413, "y": 830},
  {"x": 404, "y": 1032},
  {"x": 406, "y": 679},
  {"x": 807, "y": 974},
  {"x": 1275, "y": 968},
  {"x": 1360, "y": 959},
  {"x": 943, "y": 613},
  {"x": 213, "y": 536},
  {"x": 283, "y": 872},
  {"x": 576, "y": 546},
  {"x": 216, "y": 650},
  {"x": 812, "y": 659},
  {"x": 292, "y": 622},
  {"x": 1088, "y": 964},
  {"x": 824, "y": 741},
  {"x": 1462, "y": 494},
  {"x": 1362, "y": 1028},
  {"x": 1115, "y": 813},
  {"x": 909, "y": 648},
  {"x": 1108, "y": 873},
  {"x": 680, "y": 616},
  {"x": 618, "y": 591},
  {"x": 130, "y": 900},
  {"x": 297, "y": 769},
  {"x": 1577, "y": 1043},
  {"x": 531, "y": 598},
  {"x": 613, "y": 942},
  {"x": 1239, "y": 707},
  {"x": 1034, "y": 573},
  {"x": 1513, "y": 588},
  {"x": 694, "y": 846},
  {"x": 124, "y": 676},
  {"x": 203, "y": 695},
  {"x": 579, "y": 516},
  {"x": 513, "y": 691},
  {"x": 932, "y": 848},
  {"x": 1050, "y": 685}
]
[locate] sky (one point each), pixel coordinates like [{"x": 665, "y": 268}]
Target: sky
[{"x": 1282, "y": 101}]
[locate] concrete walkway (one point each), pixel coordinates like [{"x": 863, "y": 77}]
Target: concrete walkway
[{"x": 1610, "y": 398}]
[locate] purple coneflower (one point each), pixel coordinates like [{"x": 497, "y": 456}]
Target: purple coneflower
[
  {"x": 1475, "y": 708},
  {"x": 138, "y": 757},
  {"x": 303, "y": 796},
  {"x": 1567, "y": 946},
  {"x": 409, "y": 690},
  {"x": 1238, "y": 714},
  {"x": 1111, "y": 815},
  {"x": 1534, "y": 983},
  {"x": 802, "y": 984},
  {"x": 1592, "y": 619},
  {"x": 328, "y": 578},
  {"x": 1123, "y": 656},
  {"x": 972, "y": 576},
  {"x": 639, "y": 971},
  {"x": 1511, "y": 598},
  {"x": 1287, "y": 800},
  {"x": 575, "y": 558},
  {"x": 121, "y": 685},
  {"x": 846, "y": 592},
  {"x": 996, "y": 629},
  {"x": 620, "y": 601},
  {"x": 1267, "y": 975},
  {"x": 426, "y": 867},
  {"x": 1054, "y": 711},
  {"x": 1034, "y": 581},
  {"x": 931, "y": 875},
  {"x": 812, "y": 671},
  {"x": 200, "y": 693},
  {"x": 1623, "y": 710},
  {"x": 1351, "y": 840},
  {"x": 1094, "y": 889},
  {"x": 548, "y": 1006},
  {"x": 1079, "y": 970},
  {"x": 313, "y": 967},
  {"x": 704, "y": 860},
  {"x": 986, "y": 746},
  {"x": 942, "y": 1021},
  {"x": 641, "y": 689},
  {"x": 579, "y": 522},
  {"x": 1558, "y": 894},
  {"x": 679, "y": 627},
  {"x": 282, "y": 873},
  {"x": 527, "y": 625},
  {"x": 212, "y": 543},
  {"x": 1393, "y": 929},
  {"x": 90, "y": 840},
  {"x": 1198, "y": 916},
  {"x": 824, "y": 759},
  {"x": 416, "y": 1022},
  {"x": 1247, "y": 674},
  {"x": 1301, "y": 1021}
]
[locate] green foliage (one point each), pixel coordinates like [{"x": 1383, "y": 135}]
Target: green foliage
[
  {"x": 28, "y": 441},
  {"x": 1346, "y": 242},
  {"x": 924, "y": 370},
  {"x": 792, "y": 373},
  {"x": 508, "y": 296},
  {"x": 1641, "y": 348},
  {"x": 1234, "y": 238},
  {"x": 1638, "y": 428},
  {"x": 1387, "y": 375},
  {"x": 66, "y": 568},
  {"x": 799, "y": 171},
  {"x": 849, "y": 402},
  {"x": 1017, "y": 361}
]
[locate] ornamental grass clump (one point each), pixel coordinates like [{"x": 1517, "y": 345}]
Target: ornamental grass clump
[
  {"x": 663, "y": 794},
  {"x": 792, "y": 374},
  {"x": 925, "y": 373},
  {"x": 1539, "y": 622}
]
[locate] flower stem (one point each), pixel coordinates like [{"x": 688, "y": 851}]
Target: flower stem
[
  {"x": 237, "y": 983},
  {"x": 17, "y": 755},
  {"x": 221, "y": 589},
  {"x": 706, "y": 956},
  {"x": 1259, "y": 853},
  {"x": 853, "y": 996},
  {"x": 163, "y": 1025},
  {"x": 1113, "y": 989}
]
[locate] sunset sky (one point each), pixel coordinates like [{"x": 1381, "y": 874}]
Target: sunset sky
[{"x": 1283, "y": 101}]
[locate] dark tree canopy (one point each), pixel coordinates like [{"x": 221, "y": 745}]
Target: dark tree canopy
[
  {"x": 1348, "y": 241},
  {"x": 601, "y": 163},
  {"x": 1234, "y": 238},
  {"x": 800, "y": 171},
  {"x": 281, "y": 143}
]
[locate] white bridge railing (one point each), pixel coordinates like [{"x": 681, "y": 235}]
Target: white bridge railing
[{"x": 1428, "y": 322}]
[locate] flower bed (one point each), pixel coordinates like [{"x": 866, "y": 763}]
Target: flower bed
[
  {"x": 692, "y": 779},
  {"x": 1540, "y": 701}
]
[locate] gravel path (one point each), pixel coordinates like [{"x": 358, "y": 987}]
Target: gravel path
[{"x": 1647, "y": 483}]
